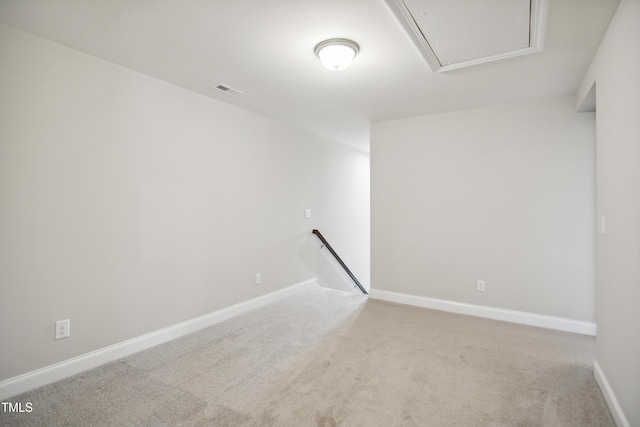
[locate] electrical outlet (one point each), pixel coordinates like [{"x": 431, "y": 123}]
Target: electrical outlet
[
  {"x": 480, "y": 286},
  {"x": 258, "y": 279},
  {"x": 63, "y": 329}
]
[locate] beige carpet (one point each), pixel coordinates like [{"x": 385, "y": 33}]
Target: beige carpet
[{"x": 331, "y": 358}]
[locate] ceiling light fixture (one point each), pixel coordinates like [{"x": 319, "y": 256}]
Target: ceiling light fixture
[{"x": 336, "y": 54}]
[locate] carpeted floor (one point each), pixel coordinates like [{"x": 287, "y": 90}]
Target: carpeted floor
[{"x": 330, "y": 358}]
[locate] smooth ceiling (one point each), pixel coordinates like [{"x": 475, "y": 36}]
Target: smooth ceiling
[{"x": 264, "y": 48}]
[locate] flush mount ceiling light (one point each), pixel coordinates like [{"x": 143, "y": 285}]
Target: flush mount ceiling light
[{"x": 336, "y": 54}]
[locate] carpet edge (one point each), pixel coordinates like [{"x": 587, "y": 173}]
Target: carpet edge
[
  {"x": 52, "y": 373},
  {"x": 513, "y": 316}
]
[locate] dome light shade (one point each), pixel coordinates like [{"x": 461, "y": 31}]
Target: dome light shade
[{"x": 336, "y": 54}]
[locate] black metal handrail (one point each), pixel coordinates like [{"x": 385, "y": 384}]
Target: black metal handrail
[{"x": 335, "y": 255}]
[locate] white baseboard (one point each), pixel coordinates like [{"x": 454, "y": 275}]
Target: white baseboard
[
  {"x": 609, "y": 396},
  {"x": 550, "y": 322},
  {"x": 38, "y": 378}
]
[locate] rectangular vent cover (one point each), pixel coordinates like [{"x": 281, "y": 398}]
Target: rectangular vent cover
[{"x": 228, "y": 89}]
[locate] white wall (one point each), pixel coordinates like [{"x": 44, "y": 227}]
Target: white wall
[
  {"x": 344, "y": 219},
  {"x": 128, "y": 204},
  {"x": 505, "y": 194},
  {"x": 615, "y": 70}
]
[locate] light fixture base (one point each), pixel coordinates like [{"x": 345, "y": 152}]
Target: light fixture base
[{"x": 336, "y": 54}]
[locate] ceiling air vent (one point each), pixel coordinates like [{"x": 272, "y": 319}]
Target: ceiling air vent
[
  {"x": 455, "y": 34},
  {"x": 229, "y": 90}
]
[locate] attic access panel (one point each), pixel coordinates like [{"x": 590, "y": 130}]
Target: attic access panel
[{"x": 455, "y": 34}]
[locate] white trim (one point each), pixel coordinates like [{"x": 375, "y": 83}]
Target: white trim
[
  {"x": 609, "y": 396},
  {"x": 39, "y": 377},
  {"x": 550, "y": 322},
  {"x": 537, "y": 27}
]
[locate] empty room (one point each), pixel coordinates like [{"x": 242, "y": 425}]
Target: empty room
[{"x": 320, "y": 213}]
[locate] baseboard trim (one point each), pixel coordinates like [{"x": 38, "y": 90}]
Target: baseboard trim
[
  {"x": 40, "y": 377},
  {"x": 609, "y": 396},
  {"x": 550, "y": 322}
]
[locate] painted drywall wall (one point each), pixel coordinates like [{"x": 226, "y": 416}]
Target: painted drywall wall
[
  {"x": 128, "y": 204},
  {"x": 344, "y": 219},
  {"x": 504, "y": 194},
  {"x": 615, "y": 70}
]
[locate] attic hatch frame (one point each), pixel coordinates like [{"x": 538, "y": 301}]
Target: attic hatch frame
[{"x": 537, "y": 24}]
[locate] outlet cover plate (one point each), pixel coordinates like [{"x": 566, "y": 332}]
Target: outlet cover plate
[{"x": 63, "y": 329}]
